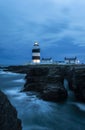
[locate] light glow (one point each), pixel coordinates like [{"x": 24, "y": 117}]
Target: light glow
[
  {"x": 36, "y": 43},
  {"x": 36, "y": 61}
]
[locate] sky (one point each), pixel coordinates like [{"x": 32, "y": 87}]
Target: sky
[{"x": 57, "y": 25}]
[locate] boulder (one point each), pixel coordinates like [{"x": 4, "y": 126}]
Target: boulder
[{"x": 8, "y": 115}]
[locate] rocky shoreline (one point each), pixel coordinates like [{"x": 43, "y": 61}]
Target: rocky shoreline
[{"x": 48, "y": 80}]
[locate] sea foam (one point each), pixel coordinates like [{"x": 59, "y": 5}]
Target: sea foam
[
  {"x": 81, "y": 106},
  {"x": 19, "y": 80},
  {"x": 8, "y": 73}
]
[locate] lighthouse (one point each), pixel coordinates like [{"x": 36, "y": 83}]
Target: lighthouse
[{"x": 36, "y": 53}]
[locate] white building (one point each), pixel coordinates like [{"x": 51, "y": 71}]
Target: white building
[
  {"x": 46, "y": 61},
  {"x": 71, "y": 60}
]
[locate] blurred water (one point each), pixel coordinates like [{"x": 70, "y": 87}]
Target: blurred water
[{"x": 37, "y": 114}]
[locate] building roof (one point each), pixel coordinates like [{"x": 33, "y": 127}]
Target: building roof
[
  {"x": 71, "y": 58},
  {"x": 45, "y": 59}
]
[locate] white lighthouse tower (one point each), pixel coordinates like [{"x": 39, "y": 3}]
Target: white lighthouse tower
[{"x": 36, "y": 53}]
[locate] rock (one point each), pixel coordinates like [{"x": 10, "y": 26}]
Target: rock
[
  {"x": 78, "y": 83},
  {"x": 39, "y": 71},
  {"x": 8, "y": 115},
  {"x": 54, "y": 92},
  {"x": 47, "y": 82},
  {"x": 37, "y": 87},
  {"x": 23, "y": 69}
]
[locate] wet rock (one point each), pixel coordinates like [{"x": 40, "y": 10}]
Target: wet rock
[{"x": 8, "y": 115}]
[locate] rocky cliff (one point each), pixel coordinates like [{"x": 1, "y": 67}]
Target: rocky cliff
[
  {"x": 78, "y": 83},
  {"x": 8, "y": 115},
  {"x": 47, "y": 81}
]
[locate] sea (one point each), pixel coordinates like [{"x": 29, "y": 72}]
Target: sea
[{"x": 37, "y": 114}]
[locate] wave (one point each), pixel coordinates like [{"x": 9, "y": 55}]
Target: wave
[
  {"x": 15, "y": 94},
  {"x": 81, "y": 106},
  {"x": 19, "y": 80},
  {"x": 8, "y": 73},
  {"x": 11, "y": 91}
]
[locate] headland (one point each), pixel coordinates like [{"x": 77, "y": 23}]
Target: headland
[{"x": 48, "y": 80}]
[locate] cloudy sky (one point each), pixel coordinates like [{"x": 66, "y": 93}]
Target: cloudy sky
[{"x": 58, "y": 26}]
